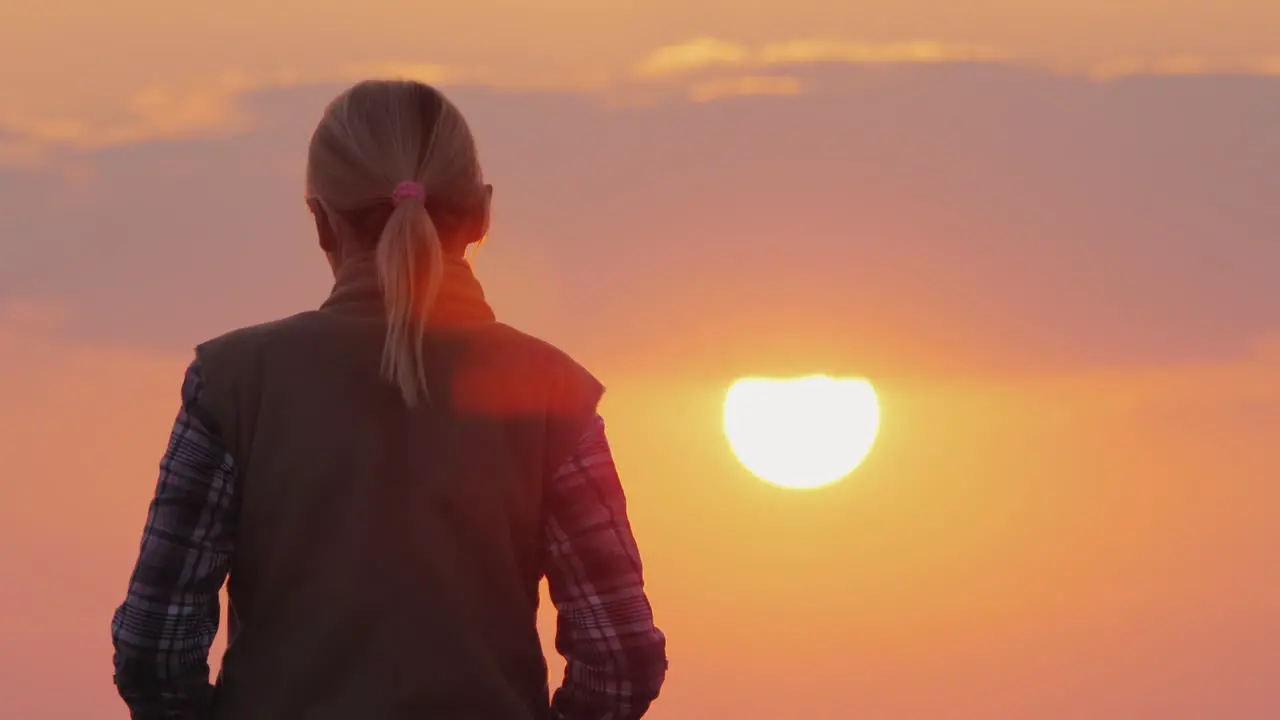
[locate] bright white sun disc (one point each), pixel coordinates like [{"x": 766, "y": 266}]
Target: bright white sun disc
[{"x": 801, "y": 433}]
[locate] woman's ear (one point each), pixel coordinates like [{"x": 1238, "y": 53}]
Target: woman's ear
[
  {"x": 324, "y": 229},
  {"x": 486, "y": 212}
]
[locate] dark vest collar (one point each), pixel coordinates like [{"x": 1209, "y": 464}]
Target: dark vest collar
[{"x": 461, "y": 301}]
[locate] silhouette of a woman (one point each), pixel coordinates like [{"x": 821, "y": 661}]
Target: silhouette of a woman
[{"x": 384, "y": 481}]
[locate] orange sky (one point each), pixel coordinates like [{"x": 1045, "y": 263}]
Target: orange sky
[
  {"x": 1063, "y": 287},
  {"x": 108, "y": 72}
]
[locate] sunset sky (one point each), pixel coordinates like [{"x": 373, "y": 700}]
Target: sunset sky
[{"x": 1046, "y": 231}]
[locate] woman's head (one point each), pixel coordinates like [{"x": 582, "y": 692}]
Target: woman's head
[{"x": 392, "y": 172}]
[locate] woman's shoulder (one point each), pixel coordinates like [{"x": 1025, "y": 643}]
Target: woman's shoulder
[
  {"x": 500, "y": 339},
  {"x": 252, "y": 336},
  {"x": 507, "y": 357},
  {"x": 512, "y": 372}
]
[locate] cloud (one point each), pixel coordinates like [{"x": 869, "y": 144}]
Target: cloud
[
  {"x": 151, "y": 113},
  {"x": 203, "y": 108},
  {"x": 745, "y": 85},
  {"x": 699, "y": 70},
  {"x": 708, "y": 53},
  {"x": 813, "y": 51},
  {"x": 18, "y": 151},
  {"x": 973, "y": 219},
  {"x": 218, "y": 106},
  {"x": 695, "y": 54},
  {"x": 1182, "y": 66}
]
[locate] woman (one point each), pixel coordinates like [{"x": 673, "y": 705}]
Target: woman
[{"x": 384, "y": 481}]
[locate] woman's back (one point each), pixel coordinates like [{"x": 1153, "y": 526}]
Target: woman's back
[{"x": 425, "y": 521}]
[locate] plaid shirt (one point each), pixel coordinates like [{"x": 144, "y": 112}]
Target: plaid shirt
[{"x": 615, "y": 656}]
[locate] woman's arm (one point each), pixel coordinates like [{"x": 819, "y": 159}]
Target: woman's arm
[
  {"x": 616, "y": 656},
  {"x": 163, "y": 631}
]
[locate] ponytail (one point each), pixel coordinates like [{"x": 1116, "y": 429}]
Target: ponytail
[
  {"x": 410, "y": 264},
  {"x": 372, "y": 136}
]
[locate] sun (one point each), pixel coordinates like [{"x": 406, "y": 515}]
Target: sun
[{"x": 801, "y": 433}]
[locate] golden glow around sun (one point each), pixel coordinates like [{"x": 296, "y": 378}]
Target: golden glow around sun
[{"x": 804, "y": 432}]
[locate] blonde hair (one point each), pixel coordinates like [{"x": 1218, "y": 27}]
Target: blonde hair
[{"x": 372, "y": 138}]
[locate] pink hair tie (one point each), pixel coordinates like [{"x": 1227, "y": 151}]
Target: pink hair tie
[{"x": 408, "y": 189}]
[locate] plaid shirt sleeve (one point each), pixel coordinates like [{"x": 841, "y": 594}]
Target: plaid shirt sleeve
[
  {"x": 163, "y": 632},
  {"x": 615, "y": 656}
]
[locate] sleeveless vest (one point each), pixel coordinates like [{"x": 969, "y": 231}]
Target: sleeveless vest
[{"x": 388, "y": 558}]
